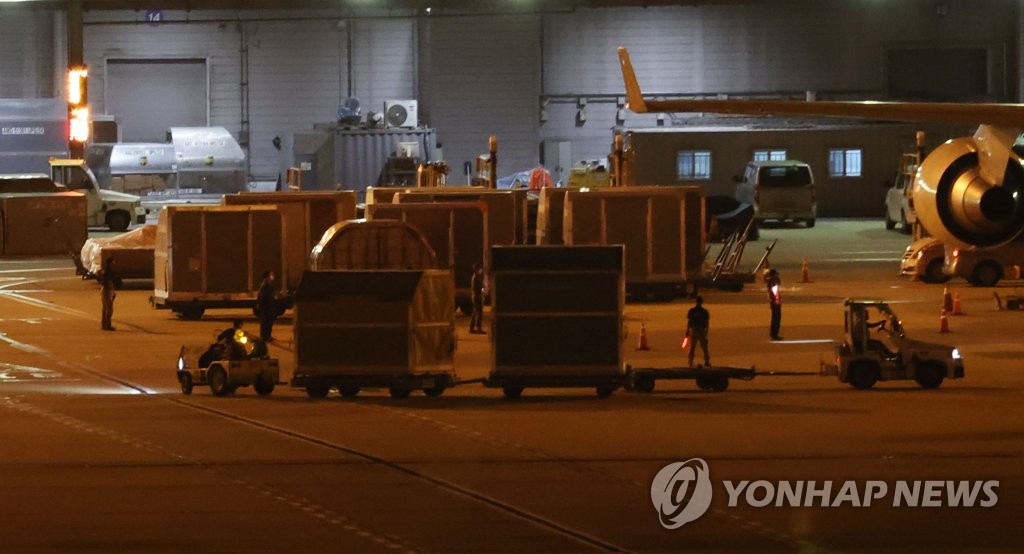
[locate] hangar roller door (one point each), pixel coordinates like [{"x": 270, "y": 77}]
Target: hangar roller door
[{"x": 151, "y": 95}]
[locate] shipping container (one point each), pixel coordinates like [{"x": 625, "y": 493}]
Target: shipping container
[
  {"x": 214, "y": 256},
  {"x": 305, "y": 216},
  {"x": 43, "y": 223},
  {"x": 378, "y": 244},
  {"x": 456, "y": 231},
  {"x": 393, "y": 329},
  {"x": 557, "y": 317},
  {"x": 662, "y": 229}
]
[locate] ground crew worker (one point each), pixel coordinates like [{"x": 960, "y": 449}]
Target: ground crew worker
[
  {"x": 476, "y": 285},
  {"x": 266, "y": 306},
  {"x": 107, "y": 278},
  {"x": 774, "y": 284},
  {"x": 697, "y": 322}
]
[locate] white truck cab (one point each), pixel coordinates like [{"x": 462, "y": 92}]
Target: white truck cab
[{"x": 115, "y": 210}]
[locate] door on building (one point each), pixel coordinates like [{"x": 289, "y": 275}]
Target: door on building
[
  {"x": 558, "y": 160},
  {"x": 152, "y": 95}
]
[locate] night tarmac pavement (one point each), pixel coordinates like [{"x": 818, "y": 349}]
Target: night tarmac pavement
[{"x": 101, "y": 452}]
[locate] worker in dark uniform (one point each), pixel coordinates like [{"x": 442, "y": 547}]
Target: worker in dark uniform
[
  {"x": 107, "y": 279},
  {"x": 266, "y": 306},
  {"x": 774, "y": 285},
  {"x": 697, "y": 322},
  {"x": 476, "y": 285}
]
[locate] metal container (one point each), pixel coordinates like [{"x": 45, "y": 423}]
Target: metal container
[
  {"x": 506, "y": 209},
  {"x": 209, "y": 159},
  {"x": 31, "y": 132},
  {"x": 214, "y": 256},
  {"x": 661, "y": 227},
  {"x": 456, "y": 231},
  {"x": 377, "y": 326},
  {"x": 557, "y": 316},
  {"x": 134, "y": 168},
  {"x": 378, "y": 244},
  {"x": 43, "y": 223},
  {"x": 305, "y": 216}
]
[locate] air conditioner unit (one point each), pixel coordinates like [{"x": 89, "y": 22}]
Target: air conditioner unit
[{"x": 401, "y": 113}]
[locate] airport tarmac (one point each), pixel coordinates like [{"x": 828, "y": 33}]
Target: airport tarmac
[{"x": 102, "y": 452}]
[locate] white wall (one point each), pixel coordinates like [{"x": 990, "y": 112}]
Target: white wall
[{"x": 27, "y": 53}]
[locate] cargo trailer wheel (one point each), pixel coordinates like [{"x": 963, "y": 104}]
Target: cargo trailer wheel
[
  {"x": 317, "y": 390},
  {"x": 185, "y": 379},
  {"x": 605, "y": 391},
  {"x": 264, "y": 386},
  {"x": 399, "y": 392},
  {"x": 218, "y": 379},
  {"x": 512, "y": 391},
  {"x": 434, "y": 392},
  {"x": 863, "y": 374},
  {"x": 348, "y": 391},
  {"x": 930, "y": 374},
  {"x": 643, "y": 384},
  {"x": 810, "y": 223}
]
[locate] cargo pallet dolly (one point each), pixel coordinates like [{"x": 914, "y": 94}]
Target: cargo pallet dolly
[
  {"x": 712, "y": 378},
  {"x": 431, "y": 383}
]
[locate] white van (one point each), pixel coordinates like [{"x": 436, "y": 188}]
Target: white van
[{"x": 780, "y": 190}]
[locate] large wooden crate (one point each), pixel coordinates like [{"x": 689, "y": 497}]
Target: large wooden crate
[
  {"x": 43, "y": 223},
  {"x": 305, "y": 216},
  {"x": 557, "y": 312},
  {"x": 377, "y": 244},
  {"x": 214, "y": 254},
  {"x": 662, "y": 229},
  {"x": 456, "y": 231},
  {"x": 367, "y": 323}
]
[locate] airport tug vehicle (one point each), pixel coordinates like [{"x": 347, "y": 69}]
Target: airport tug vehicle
[
  {"x": 234, "y": 360},
  {"x": 876, "y": 348}
]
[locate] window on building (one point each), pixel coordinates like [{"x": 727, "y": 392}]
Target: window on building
[
  {"x": 768, "y": 155},
  {"x": 693, "y": 164},
  {"x": 844, "y": 162}
]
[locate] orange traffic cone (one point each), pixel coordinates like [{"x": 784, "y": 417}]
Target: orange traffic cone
[
  {"x": 958, "y": 309},
  {"x": 805, "y": 273},
  {"x": 642, "y": 344},
  {"x": 943, "y": 322},
  {"x": 947, "y": 299}
]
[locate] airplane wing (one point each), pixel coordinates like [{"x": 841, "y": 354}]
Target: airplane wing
[{"x": 1001, "y": 115}]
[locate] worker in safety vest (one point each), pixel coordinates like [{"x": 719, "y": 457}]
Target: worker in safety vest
[{"x": 774, "y": 284}]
